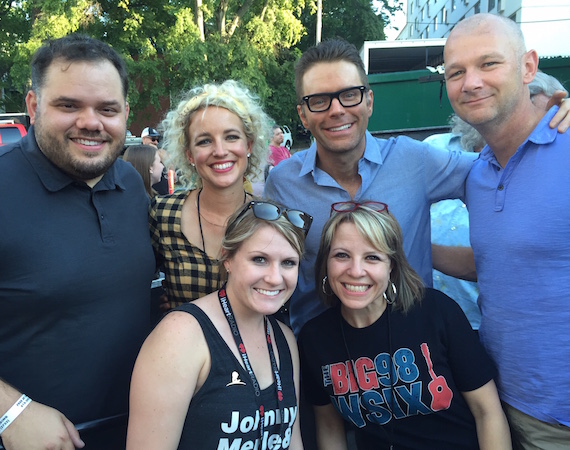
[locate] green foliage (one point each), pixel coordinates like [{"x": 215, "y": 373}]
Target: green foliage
[
  {"x": 258, "y": 43},
  {"x": 280, "y": 76},
  {"x": 353, "y": 20},
  {"x": 11, "y": 20}
]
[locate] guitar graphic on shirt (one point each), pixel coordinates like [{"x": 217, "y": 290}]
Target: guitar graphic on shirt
[{"x": 440, "y": 393}]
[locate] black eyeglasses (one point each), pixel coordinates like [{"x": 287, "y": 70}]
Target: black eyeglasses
[
  {"x": 153, "y": 138},
  {"x": 352, "y": 206},
  {"x": 269, "y": 211},
  {"x": 348, "y": 97}
]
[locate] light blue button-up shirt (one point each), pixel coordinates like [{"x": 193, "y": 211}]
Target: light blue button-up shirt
[{"x": 406, "y": 174}]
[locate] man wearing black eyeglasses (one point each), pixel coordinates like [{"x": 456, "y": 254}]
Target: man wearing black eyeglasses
[{"x": 347, "y": 163}]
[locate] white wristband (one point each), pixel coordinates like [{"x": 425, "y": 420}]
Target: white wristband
[{"x": 14, "y": 412}]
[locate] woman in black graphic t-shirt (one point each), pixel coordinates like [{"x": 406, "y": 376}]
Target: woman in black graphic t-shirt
[{"x": 396, "y": 362}]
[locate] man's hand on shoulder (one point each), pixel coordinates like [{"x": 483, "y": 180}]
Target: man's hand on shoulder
[
  {"x": 562, "y": 118},
  {"x": 40, "y": 427}
]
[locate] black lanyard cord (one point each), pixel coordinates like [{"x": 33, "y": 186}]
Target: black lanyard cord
[{"x": 228, "y": 313}]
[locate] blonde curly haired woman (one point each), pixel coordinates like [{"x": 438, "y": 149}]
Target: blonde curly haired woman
[{"x": 215, "y": 137}]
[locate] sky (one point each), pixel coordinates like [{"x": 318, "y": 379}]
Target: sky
[
  {"x": 399, "y": 21},
  {"x": 545, "y": 26}
]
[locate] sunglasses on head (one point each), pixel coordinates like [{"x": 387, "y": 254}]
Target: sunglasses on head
[
  {"x": 352, "y": 206},
  {"x": 269, "y": 211}
]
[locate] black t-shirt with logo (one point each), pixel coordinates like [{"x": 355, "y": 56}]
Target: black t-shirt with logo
[{"x": 434, "y": 355}]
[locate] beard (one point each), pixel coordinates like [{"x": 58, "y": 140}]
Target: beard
[{"x": 56, "y": 147}]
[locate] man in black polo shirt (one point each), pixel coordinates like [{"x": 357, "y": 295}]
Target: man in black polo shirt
[{"x": 76, "y": 256}]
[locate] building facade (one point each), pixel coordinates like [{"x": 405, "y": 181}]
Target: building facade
[{"x": 545, "y": 25}]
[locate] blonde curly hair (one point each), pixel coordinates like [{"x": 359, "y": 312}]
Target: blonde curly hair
[{"x": 230, "y": 95}]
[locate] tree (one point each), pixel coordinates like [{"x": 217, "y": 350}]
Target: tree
[
  {"x": 354, "y": 20},
  {"x": 172, "y": 45},
  {"x": 14, "y": 31}
]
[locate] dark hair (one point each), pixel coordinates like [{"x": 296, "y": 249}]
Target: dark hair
[
  {"x": 266, "y": 171},
  {"x": 75, "y": 47},
  {"x": 331, "y": 50},
  {"x": 142, "y": 157}
]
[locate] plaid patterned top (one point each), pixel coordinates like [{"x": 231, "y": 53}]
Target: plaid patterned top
[{"x": 189, "y": 272}]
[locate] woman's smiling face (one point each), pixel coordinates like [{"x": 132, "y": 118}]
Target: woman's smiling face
[
  {"x": 357, "y": 272},
  {"x": 218, "y": 146},
  {"x": 263, "y": 273}
]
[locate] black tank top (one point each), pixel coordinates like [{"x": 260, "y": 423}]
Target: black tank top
[{"x": 223, "y": 414}]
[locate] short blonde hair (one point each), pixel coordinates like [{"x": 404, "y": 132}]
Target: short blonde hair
[
  {"x": 382, "y": 231},
  {"x": 230, "y": 95}
]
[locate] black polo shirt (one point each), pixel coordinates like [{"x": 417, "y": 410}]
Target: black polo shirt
[{"x": 75, "y": 270}]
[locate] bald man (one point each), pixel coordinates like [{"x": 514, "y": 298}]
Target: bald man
[{"x": 518, "y": 196}]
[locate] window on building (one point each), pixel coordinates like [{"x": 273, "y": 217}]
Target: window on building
[
  {"x": 427, "y": 32},
  {"x": 435, "y": 23},
  {"x": 477, "y": 8},
  {"x": 422, "y": 14},
  {"x": 412, "y": 7},
  {"x": 427, "y": 8},
  {"x": 453, "y": 5},
  {"x": 444, "y": 15},
  {"x": 491, "y": 5}
]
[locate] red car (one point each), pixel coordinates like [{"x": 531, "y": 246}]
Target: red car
[{"x": 11, "y": 132}]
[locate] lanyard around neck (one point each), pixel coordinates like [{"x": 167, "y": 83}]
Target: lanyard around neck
[{"x": 228, "y": 313}]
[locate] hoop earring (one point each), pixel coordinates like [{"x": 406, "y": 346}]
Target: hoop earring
[
  {"x": 392, "y": 298},
  {"x": 324, "y": 286}
]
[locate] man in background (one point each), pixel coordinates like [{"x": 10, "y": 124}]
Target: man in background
[
  {"x": 278, "y": 152},
  {"x": 77, "y": 261},
  {"x": 150, "y": 136}
]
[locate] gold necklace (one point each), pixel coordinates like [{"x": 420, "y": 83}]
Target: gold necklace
[
  {"x": 211, "y": 223},
  {"x": 200, "y": 216}
]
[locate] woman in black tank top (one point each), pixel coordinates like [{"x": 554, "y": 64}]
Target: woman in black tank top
[{"x": 220, "y": 372}]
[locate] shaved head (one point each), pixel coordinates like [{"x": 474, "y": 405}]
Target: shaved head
[
  {"x": 487, "y": 72},
  {"x": 490, "y": 23}
]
